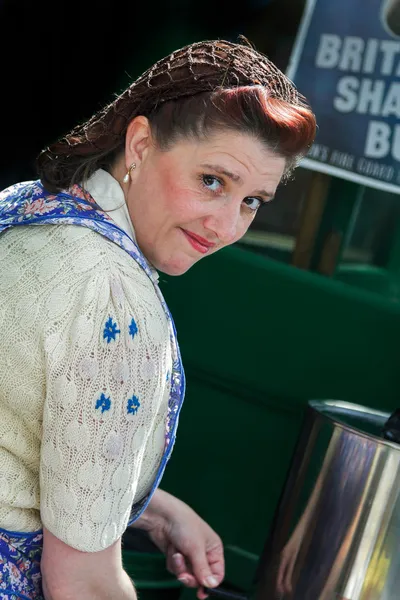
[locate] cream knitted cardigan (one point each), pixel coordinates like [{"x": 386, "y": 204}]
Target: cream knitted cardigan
[{"x": 80, "y": 325}]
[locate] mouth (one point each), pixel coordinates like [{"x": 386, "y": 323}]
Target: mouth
[{"x": 197, "y": 242}]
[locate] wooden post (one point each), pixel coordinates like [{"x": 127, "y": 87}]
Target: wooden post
[
  {"x": 343, "y": 206},
  {"x": 310, "y": 220},
  {"x": 330, "y": 253}
]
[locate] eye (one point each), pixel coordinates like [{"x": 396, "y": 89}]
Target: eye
[
  {"x": 253, "y": 203},
  {"x": 211, "y": 183}
]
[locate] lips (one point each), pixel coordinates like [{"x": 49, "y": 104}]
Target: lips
[{"x": 197, "y": 242}]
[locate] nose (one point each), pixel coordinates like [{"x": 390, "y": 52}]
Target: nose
[{"x": 224, "y": 222}]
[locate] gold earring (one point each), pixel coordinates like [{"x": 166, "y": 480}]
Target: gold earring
[{"x": 128, "y": 174}]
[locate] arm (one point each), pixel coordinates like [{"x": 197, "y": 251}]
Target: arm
[
  {"x": 95, "y": 436},
  {"x": 161, "y": 508},
  {"x": 68, "y": 574}
]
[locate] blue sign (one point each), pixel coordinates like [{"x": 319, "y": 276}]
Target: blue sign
[{"x": 346, "y": 61}]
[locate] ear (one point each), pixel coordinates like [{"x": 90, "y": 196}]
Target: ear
[{"x": 138, "y": 140}]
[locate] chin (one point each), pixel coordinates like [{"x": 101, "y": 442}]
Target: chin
[
  {"x": 175, "y": 268},
  {"x": 174, "y": 271}
]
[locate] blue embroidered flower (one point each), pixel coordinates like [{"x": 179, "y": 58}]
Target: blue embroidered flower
[
  {"x": 133, "y": 328},
  {"x": 110, "y": 330},
  {"x": 132, "y": 405},
  {"x": 103, "y": 403}
]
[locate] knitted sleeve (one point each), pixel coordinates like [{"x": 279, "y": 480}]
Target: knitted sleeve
[{"x": 107, "y": 385}]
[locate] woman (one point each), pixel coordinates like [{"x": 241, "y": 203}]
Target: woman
[{"x": 91, "y": 376}]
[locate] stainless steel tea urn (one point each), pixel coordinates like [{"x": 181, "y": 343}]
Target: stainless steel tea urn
[{"x": 336, "y": 535}]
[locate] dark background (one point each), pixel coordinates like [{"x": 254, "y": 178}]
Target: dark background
[{"x": 61, "y": 61}]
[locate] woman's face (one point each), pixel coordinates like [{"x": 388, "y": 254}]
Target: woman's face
[{"x": 198, "y": 197}]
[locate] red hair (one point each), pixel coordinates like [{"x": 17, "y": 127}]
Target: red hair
[
  {"x": 284, "y": 127},
  {"x": 287, "y": 129}
]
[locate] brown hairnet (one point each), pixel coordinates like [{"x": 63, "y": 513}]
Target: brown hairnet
[{"x": 199, "y": 67}]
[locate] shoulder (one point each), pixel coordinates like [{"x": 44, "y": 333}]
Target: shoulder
[
  {"x": 66, "y": 249},
  {"x": 68, "y": 268}
]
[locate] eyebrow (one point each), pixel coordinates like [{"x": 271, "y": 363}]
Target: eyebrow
[{"x": 234, "y": 177}]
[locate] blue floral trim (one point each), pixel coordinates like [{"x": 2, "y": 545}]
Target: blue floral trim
[
  {"x": 30, "y": 204},
  {"x": 20, "y": 575}
]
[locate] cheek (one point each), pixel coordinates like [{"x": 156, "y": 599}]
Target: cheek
[
  {"x": 168, "y": 184},
  {"x": 180, "y": 199}
]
